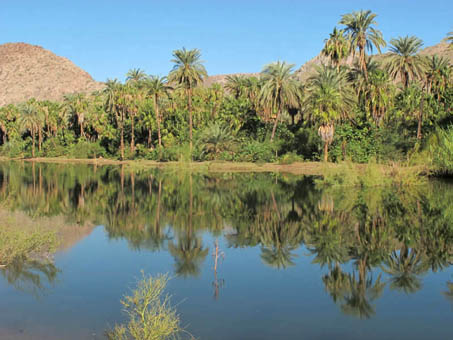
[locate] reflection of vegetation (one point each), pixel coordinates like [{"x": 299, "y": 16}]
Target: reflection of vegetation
[
  {"x": 384, "y": 235},
  {"x": 151, "y": 315},
  {"x": 25, "y": 258}
]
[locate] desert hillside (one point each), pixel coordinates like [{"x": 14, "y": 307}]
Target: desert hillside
[{"x": 29, "y": 71}]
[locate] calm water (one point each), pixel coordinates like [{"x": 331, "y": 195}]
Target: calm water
[{"x": 298, "y": 262}]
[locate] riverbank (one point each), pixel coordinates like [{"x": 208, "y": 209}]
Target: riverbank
[{"x": 297, "y": 168}]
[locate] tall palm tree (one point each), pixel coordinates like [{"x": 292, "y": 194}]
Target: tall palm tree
[
  {"x": 337, "y": 47},
  {"x": 115, "y": 104},
  {"x": 29, "y": 120},
  {"x": 188, "y": 72},
  {"x": 280, "y": 89},
  {"x": 157, "y": 87},
  {"x": 330, "y": 98},
  {"x": 404, "y": 61},
  {"x": 362, "y": 34}
]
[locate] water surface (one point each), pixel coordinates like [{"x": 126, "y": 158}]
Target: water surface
[{"x": 296, "y": 261}]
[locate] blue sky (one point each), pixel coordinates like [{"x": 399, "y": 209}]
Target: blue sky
[{"x": 108, "y": 37}]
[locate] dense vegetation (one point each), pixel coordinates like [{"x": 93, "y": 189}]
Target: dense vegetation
[
  {"x": 355, "y": 234},
  {"x": 357, "y": 106}
]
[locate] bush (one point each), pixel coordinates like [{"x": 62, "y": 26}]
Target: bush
[
  {"x": 440, "y": 147},
  {"x": 150, "y": 313},
  {"x": 290, "y": 158},
  {"x": 14, "y": 148},
  {"x": 255, "y": 151}
]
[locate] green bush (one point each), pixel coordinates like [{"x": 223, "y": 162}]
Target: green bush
[
  {"x": 255, "y": 151},
  {"x": 14, "y": 149},
  {"x": 150, "y": 313},
  {"x": 290, "y": 158},
  {"x": 440, "y": 147}
]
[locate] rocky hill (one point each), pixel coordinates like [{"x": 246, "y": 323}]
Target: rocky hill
[{"x": 29, "y": 71}]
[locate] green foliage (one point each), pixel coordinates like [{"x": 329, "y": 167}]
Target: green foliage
[
  {"x": 440, "y": 147},
  {"x": 255, "y": 151},
  {"x": 290, "y": 158},
  {"x": 150, "y": 313},
  {"x": 214, "y": 140}
]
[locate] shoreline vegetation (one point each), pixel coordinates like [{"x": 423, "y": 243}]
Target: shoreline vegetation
[
  {"x": 393, "y": 109},
  {"x": 294, "y": 168}
]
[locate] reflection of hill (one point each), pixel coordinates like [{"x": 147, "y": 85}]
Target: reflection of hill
[{"x": 68, "y": 234}]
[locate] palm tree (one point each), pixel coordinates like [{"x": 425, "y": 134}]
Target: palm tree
[
  {"x": 337, "y": 47},
  {"x": 404, "y": 61},
  {"x": 77, "y": 105},
  {"x": 329, "y": 97},
  {"x": 136, "y": 76},
  {"x": 362, "y": 35},
  {"x": 116, "y": 105},
  {"x": 188, "y": 72},
  {"x": 29, "y": 120},
  {"x": 379, "y": 95},
  {"x": 449, "y": 38},
  {"x": 280, "y": 89},
  {"x": 437, "y": 76},
  {"x": 157, "y": 87}
]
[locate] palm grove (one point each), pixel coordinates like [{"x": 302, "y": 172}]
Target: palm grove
[{"x": 356, "y": 106}]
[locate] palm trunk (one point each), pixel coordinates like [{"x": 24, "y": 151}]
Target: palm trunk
[
  {"x": 420, "y": 120},
  {"x": 363, "y": 62},
  {"x": 82, "y": 133},
  {"x": 157, "y": 119},
  {"x": 326, "y": 151},
  {"x": 149, "y": 137},
  {"x": 122, "y": 137},
  {"x": 132, "y": 133},
  {"x": 189, "y": 104},
  {"x": 39, "y": 139},
  {"x": 274, "y": 128},
  {"x": 33, "y": 143}
]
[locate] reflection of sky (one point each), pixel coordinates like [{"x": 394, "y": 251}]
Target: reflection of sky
[{"x": 256, "y": 301}]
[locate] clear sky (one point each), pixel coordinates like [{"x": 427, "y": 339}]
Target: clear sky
[{"x": 108, "y": 37}]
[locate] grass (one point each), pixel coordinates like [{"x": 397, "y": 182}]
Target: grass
[{"x": 349, "y": 174}]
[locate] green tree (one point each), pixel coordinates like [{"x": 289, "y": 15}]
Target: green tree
[
  {"x": 336, "y": 48},
  {"x": 329, "y": 98},
  {"x": 362, "y": 34},
  {"x": 280, "y": 89},
  {"x": 188, "y": 72},
  {"x": 404, "y": 61}
]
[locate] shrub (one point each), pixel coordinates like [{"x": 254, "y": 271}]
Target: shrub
[
  {"x": 290, "y": 158},
  {"x": 255, "y": 151},
  {"x": 150, "y": 313},
  {"x": 440, "y": 147}
]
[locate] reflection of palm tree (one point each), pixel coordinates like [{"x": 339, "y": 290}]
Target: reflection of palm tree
[
  {"x": 189, "y": 254},
  {"x": 277, "y": 256},
  {"x": 336, "y": 283},
  {"x": 361, "y": 293},
  {"x": 405, "y": 268}
]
